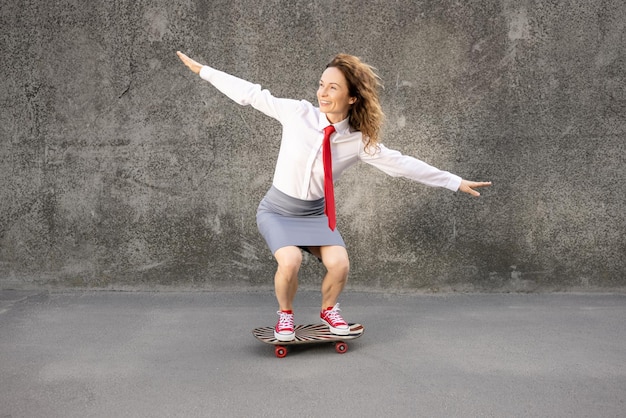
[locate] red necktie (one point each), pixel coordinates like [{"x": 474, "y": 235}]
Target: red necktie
[{"x": 329, "y": 193}]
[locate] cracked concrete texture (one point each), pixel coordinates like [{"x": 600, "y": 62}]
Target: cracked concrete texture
[{"x": 119, "y": 168}]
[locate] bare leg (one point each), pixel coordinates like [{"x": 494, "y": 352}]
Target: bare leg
[
  {"x": 335, "y": 259},
  {"x": 286, "y": 278}
]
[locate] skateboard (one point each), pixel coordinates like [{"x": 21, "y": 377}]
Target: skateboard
[{"x": 308, "y": 334}]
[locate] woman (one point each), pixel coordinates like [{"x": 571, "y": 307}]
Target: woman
[{"x": 298, "y": 210}]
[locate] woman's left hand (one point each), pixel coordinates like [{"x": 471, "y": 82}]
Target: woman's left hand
[{"x": 469, "y": 186}]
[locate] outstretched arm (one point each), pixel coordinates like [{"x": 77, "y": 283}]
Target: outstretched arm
[
  {"x": 193, "y": 65},
  {"x": 469, "y": 186},
  {"x": 241, "y": 91}
]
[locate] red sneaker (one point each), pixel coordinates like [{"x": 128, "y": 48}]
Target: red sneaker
[
  {"x": 335, "y": 322},
  {"x": 285, "y": 330}
]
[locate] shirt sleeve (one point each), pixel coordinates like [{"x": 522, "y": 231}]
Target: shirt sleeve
[
  {"x": 398, "y": 165},
  {"x": 246, "y": 93}
]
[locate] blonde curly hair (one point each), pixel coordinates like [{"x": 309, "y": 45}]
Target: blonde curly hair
[{"x": 366, "y": 114}]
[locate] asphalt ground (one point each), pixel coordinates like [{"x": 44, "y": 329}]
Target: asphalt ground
[{"x": 192, "y": 354}]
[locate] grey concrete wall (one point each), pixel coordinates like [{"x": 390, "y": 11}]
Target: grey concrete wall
[{"x": 120, "y": 169}]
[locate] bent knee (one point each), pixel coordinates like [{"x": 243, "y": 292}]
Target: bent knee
[
  {"x": 340, "y": 267},
  {"x": 289, "y": 258},
  {"x": 337, "y": 261}
]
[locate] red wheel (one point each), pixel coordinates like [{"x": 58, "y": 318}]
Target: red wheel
[
  {"x": 280, "y": 351},
  {"x": 341, "y": 347}
]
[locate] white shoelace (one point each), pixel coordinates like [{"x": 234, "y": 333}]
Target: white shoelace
[
  {"x": 285, "y": 320},
  {"x": 334, "y": 315}
]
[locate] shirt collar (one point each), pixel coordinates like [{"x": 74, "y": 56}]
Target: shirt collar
[{"x": 341, "y": 128}]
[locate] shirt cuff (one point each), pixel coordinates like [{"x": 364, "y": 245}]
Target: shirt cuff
[
  {"x": 205, "y": 72},
  {"x": 454, "y": 183}
]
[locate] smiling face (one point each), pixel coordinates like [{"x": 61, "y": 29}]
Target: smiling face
[{"x": 333, "y": 95}]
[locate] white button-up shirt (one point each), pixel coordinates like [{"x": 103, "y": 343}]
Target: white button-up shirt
[{"x": 299, "y": 168}]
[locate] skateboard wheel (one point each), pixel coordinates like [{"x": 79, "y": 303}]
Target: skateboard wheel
[
  {"x": 280, "y": 351},
  {"x": 341, "y": 347}
]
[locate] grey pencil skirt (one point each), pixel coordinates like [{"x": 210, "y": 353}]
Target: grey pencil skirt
[{"x": 284, "y": 221}]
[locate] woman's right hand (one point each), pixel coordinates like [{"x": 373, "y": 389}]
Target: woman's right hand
[{"x": 193, "y": 65}]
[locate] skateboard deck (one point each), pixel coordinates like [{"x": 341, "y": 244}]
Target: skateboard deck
[{"x": 308, "y": 334}]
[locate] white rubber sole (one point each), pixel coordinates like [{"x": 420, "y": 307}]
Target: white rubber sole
[
  {"x": 336, "y": 331},
  {"x": 285, "y": 337}
]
